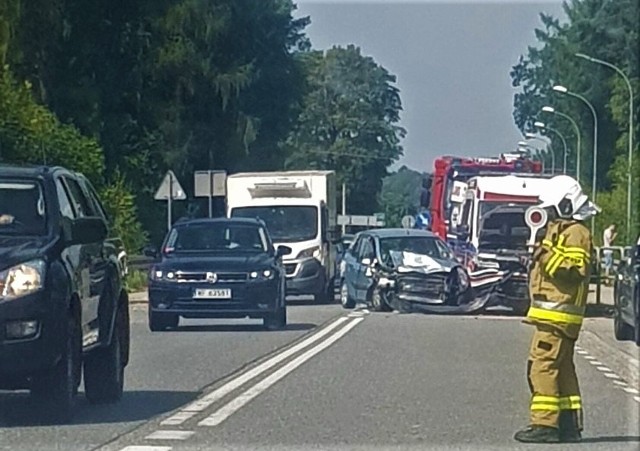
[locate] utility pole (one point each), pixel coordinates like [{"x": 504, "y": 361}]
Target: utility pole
[{"x": 344, "y": 206}]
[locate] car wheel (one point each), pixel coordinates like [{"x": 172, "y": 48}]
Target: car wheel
[
  {"x": 378, "y": 303},
  {"x": 104, "y": 368},
  {"x": 159, "y": 322},
  {"x": 276, "y": 320},
  {"x": 621, "y": 330},
  {"x": 57, "y": 389},
  {"x": 345, "y": 299}
]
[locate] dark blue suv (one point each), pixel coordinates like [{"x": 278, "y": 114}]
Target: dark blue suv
[{"x": 217, "y": 268}]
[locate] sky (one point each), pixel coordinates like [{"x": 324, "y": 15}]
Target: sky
[{"x": 452, "y": 60}]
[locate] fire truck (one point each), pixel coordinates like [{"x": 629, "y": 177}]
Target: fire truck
[{"x": 448, "y": 184}]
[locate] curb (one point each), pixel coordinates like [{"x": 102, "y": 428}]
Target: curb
[{"x": 138, "y": 297}]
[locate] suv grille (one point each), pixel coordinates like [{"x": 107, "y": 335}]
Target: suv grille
[{"x": 194, "y": 277}]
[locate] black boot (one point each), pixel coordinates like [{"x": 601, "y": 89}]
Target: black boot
[
  {"x": 538, "y": 434},
  {"x": 569, "y": 431}
]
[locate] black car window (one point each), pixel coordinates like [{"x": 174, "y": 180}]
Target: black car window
[
  {"x": 81, "y": 204},
  {"x": 367, "y": 249},
  {"x": 66, "y": 210},
  {"x": 98, "y": 208},
  {"x": 216, "y": 237},
  {"x": 22, "y": 207}
]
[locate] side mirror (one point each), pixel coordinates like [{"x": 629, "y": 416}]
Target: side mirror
[
  {"x": 283, "y": 250},
  {"x": 85, "y": 230},
  {"x": 333, "y": 236},
  {"x": 150, "y": 251}
]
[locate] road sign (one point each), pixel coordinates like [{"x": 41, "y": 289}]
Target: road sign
[
  {"x": 210, "y": 183},
  {"x": 408, "y": 222},
  {"x": 380, "y": 217},
  {"x": 170, "y": 184},
  {"x": 358, "y": 220}
]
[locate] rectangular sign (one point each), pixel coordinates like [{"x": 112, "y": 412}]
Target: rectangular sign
[
  {"x": 212, "y": 293},
  {"x": 210, "y": 183}
]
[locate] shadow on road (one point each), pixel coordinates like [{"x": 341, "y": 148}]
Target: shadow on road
[
  {"x": 599, "y": 311},
  {"x": 242, "y": 328},
  {"x": 612, "y": 439},
  {"x": 20, "y": 410}
]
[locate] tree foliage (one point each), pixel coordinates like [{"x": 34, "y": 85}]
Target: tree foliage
[
  {"x": 400, "y": 195},
  {"x": 603, "y": 29},
  {"x": 348, "y": 122}
]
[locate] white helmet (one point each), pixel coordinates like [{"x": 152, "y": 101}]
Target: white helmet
[{"x": 566, "y": 196}]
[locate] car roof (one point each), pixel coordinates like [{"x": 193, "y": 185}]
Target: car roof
[
  {"x": 398, "y": 232},
  {"x": 32, "y": 171},
  {"x": 246, "y": 221}
]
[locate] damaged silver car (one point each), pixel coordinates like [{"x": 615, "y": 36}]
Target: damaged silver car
[{"x": 410, "y": 270}]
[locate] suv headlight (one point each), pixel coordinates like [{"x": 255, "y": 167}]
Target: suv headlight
[
  {"x": 312, "y": 252},
  {"x": 463, "y": 277},
  {"x": 23, "y": 279},
  {"x": 158, "y": 275},
  {"x": 265, "y": 274}
]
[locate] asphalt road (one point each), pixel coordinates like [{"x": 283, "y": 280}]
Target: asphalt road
[{"x": 337, "y": 380}]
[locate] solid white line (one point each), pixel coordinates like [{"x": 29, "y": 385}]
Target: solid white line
[
  {"x": 632, "y": 391},
  {"x": 169, "y": 435},
  {"x": 236, "y": 404},
  {"x": 201, "y": 404},
  {"x": 611, "y": 376},
  {"x": 146, "y": 448}
]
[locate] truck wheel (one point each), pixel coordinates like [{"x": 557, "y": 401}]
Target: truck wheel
[
  {"x": 159, "y": 322},
  {"x": 276, "y": 320},
  {"x": 104, "y": 368},
  {"x": 345, "y": 299},
  {"x": 57, "y": 388}
]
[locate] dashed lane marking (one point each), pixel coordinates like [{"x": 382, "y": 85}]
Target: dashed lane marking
[
  {"x": 609, "y": 374},
  {"x": 199, "y": 405},
  {"x": 169, "y": 435},
  {"x": 637, "y": 398},
  {"x": 632, "y": 391},
  {"x": 146, "y": 448},
  {"x": 605, "y": 369},
  {"x": 236, "y": 404}
]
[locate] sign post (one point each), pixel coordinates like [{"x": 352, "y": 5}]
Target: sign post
[
  {"x": 170, "y": 190},
  {"x": 210, "y": 184}
]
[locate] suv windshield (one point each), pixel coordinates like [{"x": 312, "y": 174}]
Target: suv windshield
[
  {"x": 286, "y": 224},
  {"x": 22, "y": 208},
  {"x": 216, "y": 237},
  {"x": 423, "y": 245}
]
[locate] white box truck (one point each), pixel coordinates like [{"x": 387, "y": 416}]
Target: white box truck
[{"x": 299, "y": 209}]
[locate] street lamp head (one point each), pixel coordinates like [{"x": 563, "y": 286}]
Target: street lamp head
[
  {"x": 539, "y": 124},
  {"x": 548, "y": 109},
  {"x": 561, "y": 89}
]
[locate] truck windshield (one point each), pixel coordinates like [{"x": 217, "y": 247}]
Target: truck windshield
[
  {"x": 503, "y": 227},
  {"x": 22, "y": 208},
  {"x": 286, "y": 224}
]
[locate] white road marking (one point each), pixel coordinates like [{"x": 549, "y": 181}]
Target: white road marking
[
  {"x": 620, "y": 383},
  {"x": 605, "y": 369},
  {"x": 197, "y": 406},
  {"x": 611, "y": 376},
  {"x": 146, "y": 448},
  {"x": 588, "y": 357},
  {"x": 632, "y": 391},
  {"x": 581, "y": 352},
  {"x": 637, "y": 398},
  {"x": 595, "y": 363},
  {"x": 169, "y": 435},
  {"x": 236, "y": 404}
]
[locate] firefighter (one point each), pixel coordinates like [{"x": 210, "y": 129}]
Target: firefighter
[{"x": 558, "y": 285}]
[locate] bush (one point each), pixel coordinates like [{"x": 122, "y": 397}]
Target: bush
[
  {"x": 136, "y": 281},
  {"x": 120, "y": 204}
]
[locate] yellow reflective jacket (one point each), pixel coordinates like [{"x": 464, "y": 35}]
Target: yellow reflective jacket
[{"x": 559, "y": 277}]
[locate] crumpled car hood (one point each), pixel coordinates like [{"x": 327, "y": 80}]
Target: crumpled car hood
[{"x": 407, "y": 262}]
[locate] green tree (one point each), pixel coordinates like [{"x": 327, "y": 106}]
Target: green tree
[
  {"x": 400, "y": 195},
  {"x": 348, "y": 122}
]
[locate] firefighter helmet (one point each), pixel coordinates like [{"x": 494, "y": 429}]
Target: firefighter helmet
[{"x": 566, "y": 196}]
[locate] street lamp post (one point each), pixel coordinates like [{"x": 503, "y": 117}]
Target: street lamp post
[
  {"x": 544, "y": 126},
  {"x": 549, "y": 147},
  {"x": 549, "y": 109},
  {"x": 562, "y": 90},
  {"x": 630, "y": 156}
]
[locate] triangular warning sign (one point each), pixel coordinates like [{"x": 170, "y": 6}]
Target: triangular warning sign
[{"x": 170, "y": 184}]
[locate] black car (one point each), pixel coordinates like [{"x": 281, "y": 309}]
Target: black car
[
  {"x": 218, "y": 268},
  {"x": 627, "y": 299},
  {"x": 63, "y": 307}
]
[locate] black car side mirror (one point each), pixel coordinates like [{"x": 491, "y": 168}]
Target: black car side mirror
[
  {"x": 283, "y": 250},
  {"x": 84, "y": 230},
  {"x": 150, "y": 251}
]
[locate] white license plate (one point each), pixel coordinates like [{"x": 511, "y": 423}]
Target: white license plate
[{"x": 212, "y": 293}]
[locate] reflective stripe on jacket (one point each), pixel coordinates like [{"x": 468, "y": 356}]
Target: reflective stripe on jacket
[{"x": 559, "y": 278}]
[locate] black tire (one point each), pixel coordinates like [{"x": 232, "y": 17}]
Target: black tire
[
  {"x": 378, "y": 303},
  {"x": 104, "y": 368},
  {"x": 57, "y": 389},
  {"x": 276, "y": 320},
  {"x": 621, "y": 330},
  {"x": 327, "y": 295},
  {"x": 345, "y": 300},
  {"x": 159, "y": 322}
]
